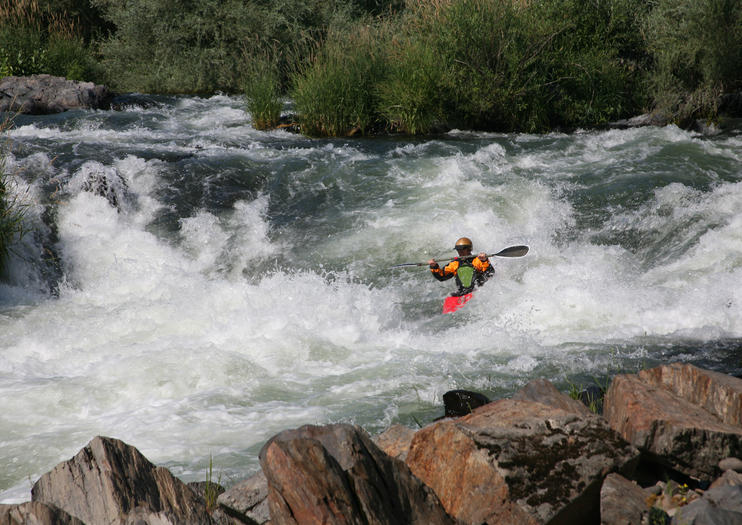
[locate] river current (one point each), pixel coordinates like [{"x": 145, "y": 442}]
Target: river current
[{"x": 192, "y": 286}]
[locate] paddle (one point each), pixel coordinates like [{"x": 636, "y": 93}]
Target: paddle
[{"x": 512, "y": 251}]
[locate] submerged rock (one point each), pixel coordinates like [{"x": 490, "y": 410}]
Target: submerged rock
[
  {"x": 44, "y": 94},
  {"x": 459, "y": 403}
]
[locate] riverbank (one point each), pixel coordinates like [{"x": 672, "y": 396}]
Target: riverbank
[{"x": 669, "y": 447}]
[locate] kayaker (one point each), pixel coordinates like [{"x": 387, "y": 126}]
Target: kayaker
[{"x": 469, "y": 270}]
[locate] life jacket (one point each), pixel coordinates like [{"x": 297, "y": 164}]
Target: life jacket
[{"x": 465, "y": 276}]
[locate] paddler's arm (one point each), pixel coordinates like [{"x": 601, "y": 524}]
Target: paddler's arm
[
  {"x": 439, "y": 273},
  {"x": 482, "y": 264}
]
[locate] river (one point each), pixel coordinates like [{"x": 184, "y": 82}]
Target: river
[{"x": 192, "y": 286}]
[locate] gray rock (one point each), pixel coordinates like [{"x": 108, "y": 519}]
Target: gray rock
[
  {"x": 622, "y": 501},
  {"x": 247, "y": 501},
  {"x": 730, "y": 477},
  {"x": 335, "y": 474},
  {"x": 734, "y": 464},
  {"x": 702, "y": 512},
  {"x": 37, "y": 513},
  {"x": 44, "y": 94},
  {"x": 110, "y": 482}
]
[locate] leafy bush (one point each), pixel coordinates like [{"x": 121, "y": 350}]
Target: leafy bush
[{"x": 697, "y": 49}]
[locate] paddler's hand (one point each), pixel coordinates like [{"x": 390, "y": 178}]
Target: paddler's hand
[
  {"x": 482, "y": 257},
  {"x": 433, "y": 265}
]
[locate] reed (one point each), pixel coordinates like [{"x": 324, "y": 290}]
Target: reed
[
  {"x": 262, "y": 93},
  {"x": 35, "y": 38},
  {"x": 12, "y": 207},
  {"x": 336, "y": 94}
]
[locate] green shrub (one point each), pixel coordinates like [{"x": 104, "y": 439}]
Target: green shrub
[{"x": 697, "y": 49}]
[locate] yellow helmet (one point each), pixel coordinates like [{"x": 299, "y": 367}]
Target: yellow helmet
[{"x": 463, "y": 243}]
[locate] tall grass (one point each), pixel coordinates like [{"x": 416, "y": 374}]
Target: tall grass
[
  {"x": 12, "y": 208},
  {"x": 35, "y": 38},
  {"x": 262, "y": 92},
  {"x": 336, "y": 94}
]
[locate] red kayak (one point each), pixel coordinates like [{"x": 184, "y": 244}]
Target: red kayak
[{"x": 453, "y": 303}]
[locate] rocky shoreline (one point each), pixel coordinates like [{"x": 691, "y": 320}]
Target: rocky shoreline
[{"x": 666, "y": 450}]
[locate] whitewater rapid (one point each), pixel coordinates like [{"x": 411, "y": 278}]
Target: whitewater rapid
[{"x": 192, "y": 286}]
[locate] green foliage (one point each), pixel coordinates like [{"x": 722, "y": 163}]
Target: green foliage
[
  {"x": 336, "y": 94},
  {"x": 480, "y": 64},
  {"x": 697, "y": 49},
  {"x": 201, "y": 46},
  {"x": 262, "y": 93}
]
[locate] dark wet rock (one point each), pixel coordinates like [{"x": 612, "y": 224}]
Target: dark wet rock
[
  {"x": 520, "y": 462},
  {"x": 37, "y": 513},
  {"x": 395, "y": 441},
  {"x": 45, "y": 94},
  {"x": 335, "y": 474},
  {"x": 458, "y": 403},
  {"x": 544, "y": 392},
  {"x": 622, "y": 501},
  {"x": 678, "y": 416},
  {"x": 111, "y": 482},
  {"x": 247, "y": 501}
]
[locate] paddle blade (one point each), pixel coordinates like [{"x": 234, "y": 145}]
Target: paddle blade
[
  {"x": 513, "y": 251},
  {"x": 451, "y": 304}
]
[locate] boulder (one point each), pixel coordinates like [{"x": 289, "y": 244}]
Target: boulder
[
  {"x": 335, "y": 474},
  {"x": 718, "y": 394},
  {"x": 673, "y": 431},
  {"x": 111, "y": 482},
  {"x": 730, "y": 477},
  {"x": 395, "y": 441},
  {"x": 718, "y": 506},
  {"x": 622, "y": 501},
  {"x": 544, "y": 392},
  {"x": 44, "y": 94},
  {"x": 247, "y": 501},
  {"x": 36, "y": 513},
  {"x": 520, "y": 462}
]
